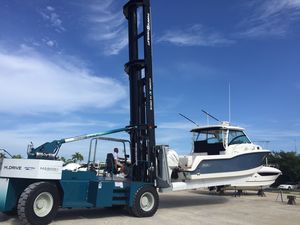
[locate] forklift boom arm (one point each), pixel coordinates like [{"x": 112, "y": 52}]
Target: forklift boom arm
[{"x": 49, "y": 150}]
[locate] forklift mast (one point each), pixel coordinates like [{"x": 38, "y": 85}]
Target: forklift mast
[{"x": 139, "y": 70}]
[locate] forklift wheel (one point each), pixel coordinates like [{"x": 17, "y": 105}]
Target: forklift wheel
[
  {"x": 38, "y": 204},
  {"x": 145, "y": 202}
]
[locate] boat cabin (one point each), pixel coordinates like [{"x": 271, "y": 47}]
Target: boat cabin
[{"x": 214, "y": 140}]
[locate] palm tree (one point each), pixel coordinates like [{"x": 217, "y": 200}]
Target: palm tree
[
  {"x": 63, "y": 159},
  {"x": 77, "y": 157}
]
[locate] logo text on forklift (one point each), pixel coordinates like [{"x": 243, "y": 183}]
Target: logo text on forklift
[
  {"x": 148, "y": 29},
  {"x": 53, "y": 169},
  {"x": 13, "y": 167}
]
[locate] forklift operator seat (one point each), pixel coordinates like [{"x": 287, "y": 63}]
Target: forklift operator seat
[{"x": 110, "y": 164}]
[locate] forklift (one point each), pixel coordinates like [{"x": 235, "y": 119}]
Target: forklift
[{"x": 36, "y": 187}]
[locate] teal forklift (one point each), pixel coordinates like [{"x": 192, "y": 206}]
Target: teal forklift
[{"x": 37, "y": 187}]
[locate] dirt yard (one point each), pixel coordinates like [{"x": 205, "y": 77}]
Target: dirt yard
[{"x": 193, "y": 207}]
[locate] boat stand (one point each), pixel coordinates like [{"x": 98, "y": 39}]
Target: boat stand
[
  {"x": 261, "y": 193},
  {"x": 237, "y": 193},
  {"x": 279, "y": 194}
]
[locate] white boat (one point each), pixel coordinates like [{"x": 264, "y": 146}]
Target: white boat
[
  {"x": 221, "y": 155},
  {"x": 263, "y": 179}
]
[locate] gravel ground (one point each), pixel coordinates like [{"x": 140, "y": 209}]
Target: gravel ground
[{"x": 192, "y": 207}]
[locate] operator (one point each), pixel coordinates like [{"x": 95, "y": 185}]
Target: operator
[{"x": 117, "y": 163}]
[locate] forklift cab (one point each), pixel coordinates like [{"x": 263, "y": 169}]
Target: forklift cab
[{"x": 108, "y": 166}]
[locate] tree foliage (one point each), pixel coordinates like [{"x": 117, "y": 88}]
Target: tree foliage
[
  {"x": 63, "y": 159},
  {"x": 17, "y": 156},
  {"x": 3, "y": 155},
  {"x": 289, "y": 164},
  {"x": 77, "y": 157}
]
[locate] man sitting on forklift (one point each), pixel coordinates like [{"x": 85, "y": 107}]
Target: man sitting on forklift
[{"x": 117, "y": 162}]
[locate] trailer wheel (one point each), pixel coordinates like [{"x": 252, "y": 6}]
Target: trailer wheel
[
  {"x": 38, "y": 203},
  {"x": 145, "y": 202}
]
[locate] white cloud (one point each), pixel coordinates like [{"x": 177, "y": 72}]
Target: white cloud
[
  {"x": 271, "y": 18},
  {"x": 32, "y": 84},
  {"x": 108, "y": 27},
  {"x": 50, "y": 8},
  {"x": 195, "y": 35},
  {"x": 265, "y": 30},
  {"x": 273, "y": 8},
  {"x": 50, "y": 15},
  {"x": 50, "y": 43}
]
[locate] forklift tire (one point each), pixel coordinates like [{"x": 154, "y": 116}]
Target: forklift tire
[
  {"x": 145, "y": 202},
  {"x": 38, "y": 204}
]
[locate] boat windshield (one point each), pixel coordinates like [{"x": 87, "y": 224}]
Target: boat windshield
[
  {"x": 237, "y": 137},
  {"x": 211, "y": 136},
  {"x": 209, "y": 142}
]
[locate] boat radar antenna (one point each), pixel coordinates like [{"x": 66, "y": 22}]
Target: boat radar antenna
[
  {"x": 211, "y": 116},
  {"x": 229, "y": 103},
  {"x": 189, "y": 119}
]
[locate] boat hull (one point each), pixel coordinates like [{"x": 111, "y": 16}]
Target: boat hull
[
  {"x": 219, "y": 170},
  {"x": 263, "y": 179},
  {"x": 228, "y": 166}
]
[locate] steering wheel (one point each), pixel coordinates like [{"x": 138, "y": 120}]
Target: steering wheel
[{"x": 235, "y": 139}]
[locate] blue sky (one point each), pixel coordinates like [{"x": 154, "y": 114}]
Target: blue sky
[{"x": 61, "y": 69}]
